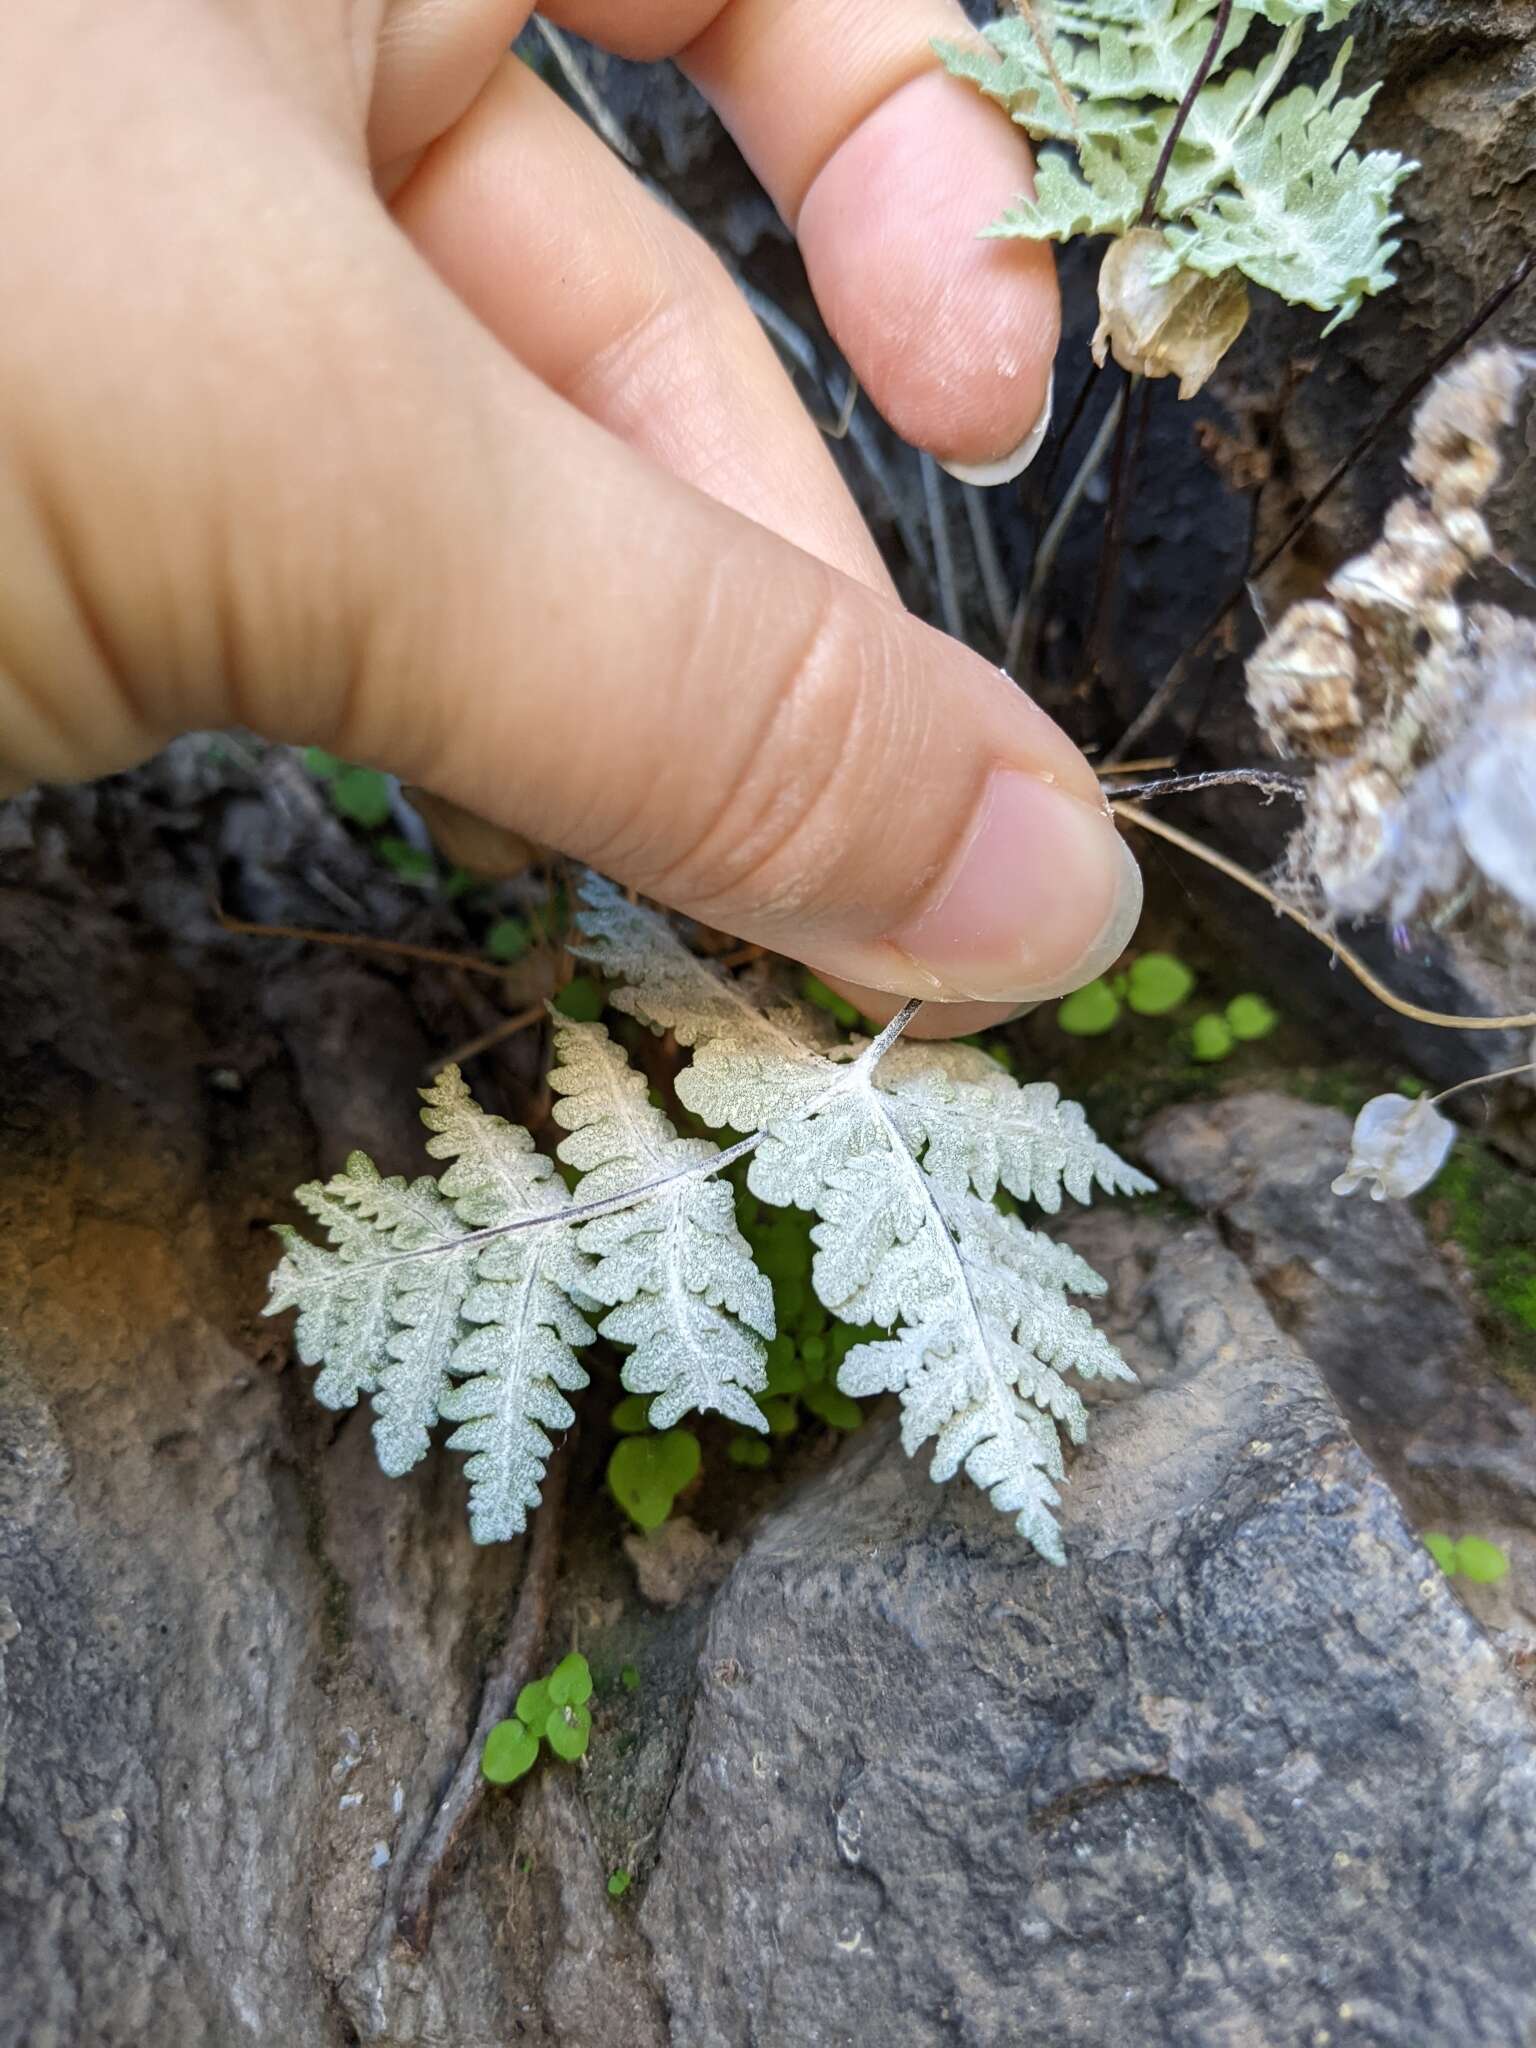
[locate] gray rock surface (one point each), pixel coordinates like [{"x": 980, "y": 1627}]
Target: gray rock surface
[
  {"x": 1363, "y": 1289},
  {"x": 1244, "y": 1772}
]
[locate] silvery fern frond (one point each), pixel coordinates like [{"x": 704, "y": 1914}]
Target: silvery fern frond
[
  {"x": 898, "y": 1152},
  {"x": 1256, "y": 186},
  {"x": 467, "y": 1299}
]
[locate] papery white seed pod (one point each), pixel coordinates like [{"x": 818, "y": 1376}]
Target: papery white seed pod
[{"x": 1399, "y": 1144}]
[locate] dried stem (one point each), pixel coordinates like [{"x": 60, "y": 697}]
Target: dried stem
[
  {"x": 943, "y": 554},
  {"x": 1270, "y": 781},
  {"x": 507, "y": 1028},
  {"x": 1352, "y": 961},
  {"x": 1043, "y": 45},
  {"x": 1484, "y": 1080},
  {"x": 512, "y": 1670},
  {"x": 395, "y": 947},
  {"x": 1178, "y": 675},
  {"x": 1027, "y": 618}
]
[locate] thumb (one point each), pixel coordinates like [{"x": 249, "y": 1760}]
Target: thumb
[
  {"x": 387, "y": 536},
  {"x": 626, "y": 670}
]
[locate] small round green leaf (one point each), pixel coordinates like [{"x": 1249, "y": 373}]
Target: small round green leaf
[
  {"x": 750, "y": 1451},
  {"x": 321, "y": 764},
  {"x": 1211, "y": 1038},
  {"x": 831, "y": 1406},
  {"x": 567, "y": 1730},
  {"x": 1481, "y": 1561},
  {"x": 570, "y": 1683},
  {"x": 581, "y": 1000},
  {"x": 629, "y": 1675},
  {"x": 508, "y": 938},
  {"x": 632, "y": 1414},
  {"x": 1441, "y": 1549},
  {"x": 1157, "y": 983},
  {"x": 779, "y": 1414},
  {"x": 509, "y": 1751},
  {"x": 1090, "y": 1012},
  {"x": 533, "y": 1705},
  {"x": 1251, "y": 1017},
  {"x": 362, "y": 794},
  {"x": 618, "y": 1884},
  {"x": 646, "y": 1473}
]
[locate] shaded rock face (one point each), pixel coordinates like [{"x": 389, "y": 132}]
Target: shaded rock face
[
  {"x": 1243, "y": 1772},
  {"x": 1246, "y": 1771}
]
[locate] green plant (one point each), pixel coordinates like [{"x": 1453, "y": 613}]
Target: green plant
[
  {"x": 1157, "y": 983},
  {"x": 647, "y": 1473},
  {"x": 1204, "y": 177},
  {"x": 619, "y": 1883},
  {"x": 1211, "y": 1038},
  {"x": 1470, "y": 1557},
  {"x": 467, "y": 1298},
  {"x": 1090, "y": 1011},
  {"x": 552, "y": 1709}
]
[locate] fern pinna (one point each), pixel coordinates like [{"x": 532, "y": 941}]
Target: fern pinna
[{"x": 467, "y": 1298}]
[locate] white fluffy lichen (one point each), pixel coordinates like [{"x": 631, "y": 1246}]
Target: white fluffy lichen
[
  {"x": 1420, "y": 713},
  {"x": 468, "y": 1298}
]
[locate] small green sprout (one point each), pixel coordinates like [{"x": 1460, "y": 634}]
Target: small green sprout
[
  {"x": 629, "y": 1677},
  {"x": 749, "y": 1451},
  {"x": 551, "y": 1709},
  {"x": 508, "y": 939},
  {"x": 1211, "y": 1038},
  {"x": 632, "y": 1415},
  {"x": 837, "y": 1410},
  {"x": 647, "y": 1473},
  {"x": 362, "y": 794},
  {"x": 581, "y": 1000},
  {"x": 1090, "y": 1012},
  {"x": 1473, "y": 1557},
  {"x": 410, "y": 863},
  {"x": 1250, "y": 1017},
  {"x": 1157, "y": 983},
  {"x": 619, "y": 1884}
]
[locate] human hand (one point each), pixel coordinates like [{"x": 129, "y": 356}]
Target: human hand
[{"x": 351, "y": 390}]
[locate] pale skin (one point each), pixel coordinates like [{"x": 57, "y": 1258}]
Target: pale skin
[{"x": 352, "y": 391}]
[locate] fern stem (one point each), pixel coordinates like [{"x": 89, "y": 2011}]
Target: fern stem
[
  {"x": 644, "y": 1191},
  {"x": 1186, "y": 108},
  {"x": 1026, "y": 619}
]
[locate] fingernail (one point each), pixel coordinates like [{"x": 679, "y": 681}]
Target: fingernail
[
  {"x": 1007, "y": 467},
  {"x": 1043, "y": 897}
]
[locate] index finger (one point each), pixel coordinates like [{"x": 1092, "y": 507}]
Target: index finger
[{"x": 888, "y": 170}]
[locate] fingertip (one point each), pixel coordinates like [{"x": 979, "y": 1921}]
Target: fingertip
[{"x": 952, "y": 333}]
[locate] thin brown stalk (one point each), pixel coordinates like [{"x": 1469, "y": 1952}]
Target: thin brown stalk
[
  {"x": 1133, "y": 815},
  {"x": 397, "y": 948},
  {"x": 1186, "y": 108},
  {"x": 512, "y": 1670},
  {"x": 1043, "y": 45},
  {"x": 508, "y": 1027}
]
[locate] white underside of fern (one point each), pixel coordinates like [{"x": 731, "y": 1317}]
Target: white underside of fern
[{"x": 466, "y": 1299}]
